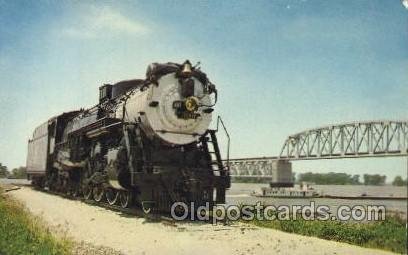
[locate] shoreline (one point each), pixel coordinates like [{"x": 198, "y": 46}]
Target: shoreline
[{"x": 130, "y": 235}]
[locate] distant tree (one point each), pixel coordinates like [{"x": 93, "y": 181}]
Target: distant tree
[
  {"x": 3, "y": 171},
  {"x": 250, "y": 180},
  {"x": 374, "y": 179},
  {"x": 19, "y": 173},
  {"x": 356, "y": 179},
  {"x": 398, "y": 181},
  {"x": 329, "y": 178}
]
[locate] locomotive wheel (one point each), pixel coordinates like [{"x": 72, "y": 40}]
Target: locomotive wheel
[
  {"x": 125, "y": 198},
  {"x": 75, "y": 192},
  {"x": 87, "y": 192},
  {"x": 98, "y": 193},
  {"x": 112, "y": 196},
  {"x": 148, "y": 207}
]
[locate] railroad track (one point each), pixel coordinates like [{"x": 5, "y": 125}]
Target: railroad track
[{"x": 134, "y": 211}]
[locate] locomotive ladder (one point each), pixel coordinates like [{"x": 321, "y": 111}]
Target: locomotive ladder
[
  {"x": 217, "y": 162},
  {"x": 220, "y": 170}
]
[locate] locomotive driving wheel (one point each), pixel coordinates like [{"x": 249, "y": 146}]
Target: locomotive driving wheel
[
  {"x": 74, "y": 190},
  {"x": 125, "y": 198},
  {"x": 112, "y": 195},
  {"x": 148, "y": 207},
  {"x": 98, "y": 193},
  {"x": 87, "y": 191}
]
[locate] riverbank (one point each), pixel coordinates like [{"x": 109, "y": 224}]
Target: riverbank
[
  {"x": 131, "y": 235},
  {"x": 390, "y": 234},
  {"x": 21, "y": 233}
]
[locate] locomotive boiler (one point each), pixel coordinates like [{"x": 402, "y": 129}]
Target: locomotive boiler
[{"x": 147, "y": 143}]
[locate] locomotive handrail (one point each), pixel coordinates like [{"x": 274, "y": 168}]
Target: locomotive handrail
[
  {"x": 219, "y": 120},
  {"x": 178, "y": 133}
]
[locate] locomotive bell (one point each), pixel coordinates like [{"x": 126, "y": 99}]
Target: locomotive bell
[{"x": 186, "y": 71}]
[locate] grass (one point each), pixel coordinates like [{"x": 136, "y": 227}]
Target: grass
[
  {"x": 22, "y": 233},
  {"x": 390, "y": 234}
]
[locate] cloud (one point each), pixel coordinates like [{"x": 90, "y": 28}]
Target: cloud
[
  {"x": 405, "y": 3},
  {"x": 104, "y": 21}
]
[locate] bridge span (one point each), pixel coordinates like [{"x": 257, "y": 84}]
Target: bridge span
[{"x": 348, "y": 140}]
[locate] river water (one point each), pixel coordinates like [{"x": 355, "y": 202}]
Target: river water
[{"x": 240, "y": 194}]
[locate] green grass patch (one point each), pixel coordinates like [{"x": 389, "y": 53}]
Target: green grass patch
[
  {"x": 390, "y": 234},
  {"x": 22, "y": 233}
]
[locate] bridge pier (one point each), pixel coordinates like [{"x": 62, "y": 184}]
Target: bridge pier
[{"x": 282, "y": 173}]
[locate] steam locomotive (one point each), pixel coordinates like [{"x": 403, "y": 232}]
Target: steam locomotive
[{"x": 147, "y": 143}]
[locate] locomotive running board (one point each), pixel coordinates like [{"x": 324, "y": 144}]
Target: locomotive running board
[{"x": 102, "y": 130}]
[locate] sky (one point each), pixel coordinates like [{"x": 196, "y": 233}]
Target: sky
[{"x": 280, "y": 66}]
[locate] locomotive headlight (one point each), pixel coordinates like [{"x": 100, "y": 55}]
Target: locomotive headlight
[{"x": 191, "y": 104}]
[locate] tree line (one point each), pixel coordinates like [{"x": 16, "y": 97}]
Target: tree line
[
  {"x": 18, "y": 173},
  {"x": 343, "y": 179},
  {"x": 317, "y": 178}
]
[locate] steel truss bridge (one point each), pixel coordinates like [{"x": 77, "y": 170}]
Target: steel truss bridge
[{"x": 348, "y": 140}]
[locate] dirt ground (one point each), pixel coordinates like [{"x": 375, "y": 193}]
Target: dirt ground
[{"x": 125, "y": 234}]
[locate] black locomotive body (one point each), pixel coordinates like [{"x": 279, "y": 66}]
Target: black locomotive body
[{"x": 145, "y": 144}]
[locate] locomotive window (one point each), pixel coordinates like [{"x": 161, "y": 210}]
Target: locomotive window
[
  {"x": 102, "y": 94},
  {"x": 105, "y": 92},
  {"x": 51, "y": 129}
]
